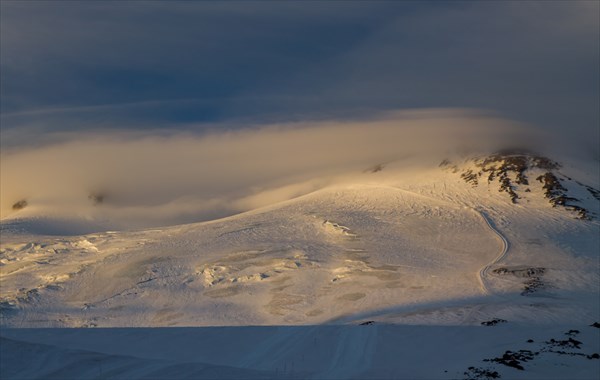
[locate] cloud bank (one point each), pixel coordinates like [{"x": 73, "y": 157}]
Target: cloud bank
[
  {"x": 147, "y": 180},
  {"x": 75, "y": 66}
]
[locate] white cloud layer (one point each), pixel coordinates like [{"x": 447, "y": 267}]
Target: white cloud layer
[{"x": 151, "y": 180}]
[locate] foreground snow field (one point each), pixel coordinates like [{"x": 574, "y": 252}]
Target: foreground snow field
[
  {"x": 377, "y": 351},
  {"x": 402, "y": 271}
]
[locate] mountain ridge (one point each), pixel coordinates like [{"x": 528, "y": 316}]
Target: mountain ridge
[{"x": 392, "y": 238}]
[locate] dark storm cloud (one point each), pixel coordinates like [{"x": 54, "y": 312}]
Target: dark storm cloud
[
  {"x": 80, "y": 54},
  {"x": 146, "y": 65}
]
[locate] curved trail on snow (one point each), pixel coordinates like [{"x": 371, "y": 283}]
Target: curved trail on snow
[{"x": 483, "y": 272}]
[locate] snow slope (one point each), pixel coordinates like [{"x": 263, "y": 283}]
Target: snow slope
[
  {"x": 379, "y": 351},
  {"x": 406, "y": 249}
]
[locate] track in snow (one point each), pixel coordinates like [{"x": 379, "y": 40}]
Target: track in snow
[{"x": 483, "y": 272}]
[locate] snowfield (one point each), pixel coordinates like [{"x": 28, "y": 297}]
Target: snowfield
[
  {"x": 378, "y": 351},
  {"x": 407, "y": 271}
]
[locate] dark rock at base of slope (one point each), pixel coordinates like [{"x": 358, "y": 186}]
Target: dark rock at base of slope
[
  {"x": 493, "y": 322},
  {"x": 533, "y": 275},
  {"x": 567, "y": 343},
  {"x": 530, "y": 272},
  {"x": 475, "y": 373},
  {"x": 514, "y": 359}
]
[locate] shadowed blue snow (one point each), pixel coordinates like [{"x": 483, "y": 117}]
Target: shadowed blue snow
[{"x": 318, "y": 352}]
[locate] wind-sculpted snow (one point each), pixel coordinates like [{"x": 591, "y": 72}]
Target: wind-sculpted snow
[
  {"x": 356, "y": 264},
  {"x": 317, "y": 258},
  {"x": 390, "y": 245}
]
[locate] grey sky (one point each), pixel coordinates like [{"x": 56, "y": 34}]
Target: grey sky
[{"x": 85, "y": 66}]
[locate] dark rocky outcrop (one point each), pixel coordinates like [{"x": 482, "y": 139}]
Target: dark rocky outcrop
[
  {"x": 511, "y": 169},
  {"x": 516, "y": 359},
  {"x": 533, "y": 276},
  {"x": 19, "y": 205},
  {"x": 97, "y": 198},
  {"x": 493, "y": 322},
  {"x": 476, "y": 373}
]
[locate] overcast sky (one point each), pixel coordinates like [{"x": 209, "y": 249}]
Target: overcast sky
[
  {"x": 81, "y": 66},
  {"x": 187, "y": 111}
]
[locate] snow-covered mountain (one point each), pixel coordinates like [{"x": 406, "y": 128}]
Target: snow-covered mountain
[{"x": 497, "y": 248}]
